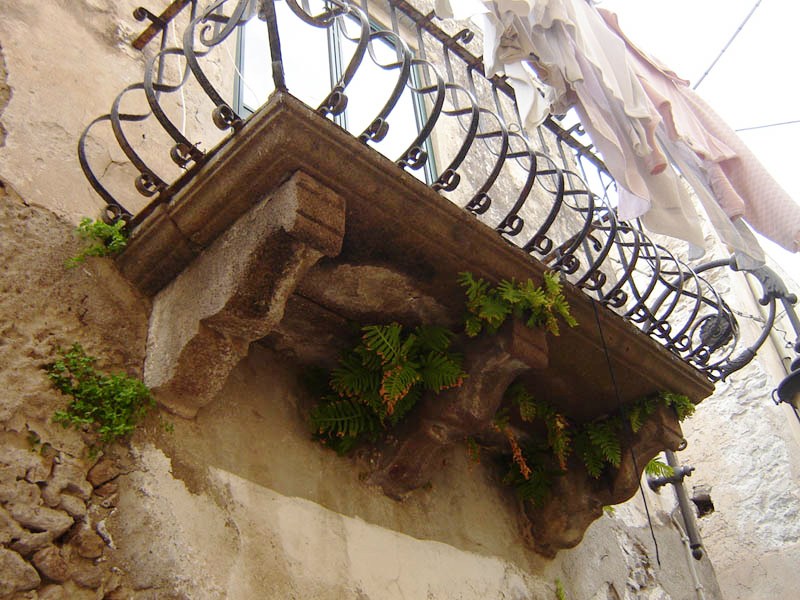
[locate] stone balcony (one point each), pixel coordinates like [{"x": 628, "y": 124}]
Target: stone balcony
[
  {"x": 291, "y": 230},
  {"x": 277, "y": 240}
]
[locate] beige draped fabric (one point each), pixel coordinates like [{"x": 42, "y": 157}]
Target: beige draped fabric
[{"x": 637, "y": 113}]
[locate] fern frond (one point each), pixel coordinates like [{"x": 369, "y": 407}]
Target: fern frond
[
  {"x": 473, "y": 326},
  {"x": 352, "y": 378},
  {"x": 385, "y": 341},
  {"x": 510, "y": 292},
  {"x": 441, "y": 371},
  {"x": 397, "y": 382},
  {"x": 635, "y": 417},
  {"x": 343, "y": 418},
  {"x": 536, "y": 488},
  {"x": 494, "y": 311},
  {"x": 402, "y": 407},
  {"x": 682, "y": 405},
  {"x": 432, "y": 338},
  {"x": 591, "y": 456},
  {"x": 475, "y": 288},
  {"x": 604, "y": 436},
  {"x": 656, "y": 468},
  {"x": 524, "y": 401},
  {"x": 552, "y": 283},
  {"x": 558, "y": 436}
]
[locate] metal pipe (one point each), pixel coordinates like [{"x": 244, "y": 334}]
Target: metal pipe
[
  {"x": 695, "y": 543},
  {"x": 698, "y": 585}
]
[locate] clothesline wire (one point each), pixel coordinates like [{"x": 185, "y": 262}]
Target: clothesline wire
[
  {"x": 725, "y": 47},
  {"x": 769, "y": 125}
]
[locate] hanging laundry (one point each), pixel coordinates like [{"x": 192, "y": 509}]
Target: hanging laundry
[
  {"x": 739, "y": 182},
  {"x": 638, "y": 113}
]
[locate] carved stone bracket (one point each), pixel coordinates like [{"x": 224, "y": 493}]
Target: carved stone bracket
[
  {"x": 492, "y": 363},
  {"x": 577, "y": 499},
  {"x": 236, "y": 290}
]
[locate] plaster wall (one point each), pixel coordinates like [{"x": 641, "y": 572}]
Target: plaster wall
[
  {"x": 746, "y": 449},
  {"x": 238, "y": 502}
]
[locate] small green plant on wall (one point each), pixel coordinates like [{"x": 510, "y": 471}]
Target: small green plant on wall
[
  {"x": 109, "y": 405},
  {"x": 101, "y": 239}
]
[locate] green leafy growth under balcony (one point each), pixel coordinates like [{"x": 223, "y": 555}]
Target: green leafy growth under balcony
[
  {"x": 101, "y": 239},
  {"x": 534, "y": 464},
  {"x": 489, "y": 306},
  {"x": 109, "y": 405},
  {"x": 379, "y": 381}
]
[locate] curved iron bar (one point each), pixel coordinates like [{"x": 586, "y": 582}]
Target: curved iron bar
[
  {"x": 414, "y": 156},
  {"x": 615, "y": 262},
  {"x": 223, "y": 115},
  {"x": 449, "y": 179},
  {"x": 183, "y": 151},
  {"x": 147, "y": 183}
]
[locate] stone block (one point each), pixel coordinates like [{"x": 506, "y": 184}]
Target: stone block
[
  {"x": 73, "y": 506},
  {"x": 9, "y": 528},
  {"x": 51, "y": 564},
  {"x": 41, "y": 518},
  {"x": 29, "y": 543},
  {"x": 87, "y": 543},
  {"x": 236, "y": 291},
  {"x": 69, "y": 475},
  {"x": 105, "y": 470},
  {"x": 16, "y": 575}
]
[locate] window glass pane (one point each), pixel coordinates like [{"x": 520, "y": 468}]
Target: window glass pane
[
  {"x": 306, "y": 59},
  {"x": 369, "y": 91}
]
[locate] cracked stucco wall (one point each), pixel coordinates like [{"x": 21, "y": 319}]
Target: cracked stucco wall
[{"x": 238, "y": 502}]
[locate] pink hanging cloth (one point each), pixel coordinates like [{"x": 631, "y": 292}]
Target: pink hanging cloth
[{"x": 738, "y": 181}]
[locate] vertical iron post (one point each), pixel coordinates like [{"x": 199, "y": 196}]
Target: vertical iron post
[{"x": 266, "y": 12}]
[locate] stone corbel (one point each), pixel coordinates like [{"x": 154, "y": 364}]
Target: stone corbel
[
  {"x": 577, "y": 499},
  {"x": 236, "y": 290},
  {"x": 491, "y": 363}
]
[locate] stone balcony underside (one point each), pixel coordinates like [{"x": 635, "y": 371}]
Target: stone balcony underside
[{"x": 292, "y": 230}]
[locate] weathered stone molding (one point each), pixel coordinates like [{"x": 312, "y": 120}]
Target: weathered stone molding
[{"x": 235, "y": 292}]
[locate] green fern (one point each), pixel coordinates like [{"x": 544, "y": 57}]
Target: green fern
[
  {"x": 384, "y": 340},
  {"x": 355, "y": 376},
  {"x": 590, "y": 455},
  {"x": 432, "y": 338},
  {"x": 656, "y": 468},
  {"x": 397, "y": 382},
  {"x": 102, "y": 239},
  {"x": 524, "y": 401},
  {"x": 343, "y": 417},
  {"x": 488, "y": 307},
  {"x": 441, "y": 371},
  {"x": 683, "y": 406},
  {"x": 604, "y": 435},
  {"x": 637, "y": 413},
  {"x": 538, "y": 485},
  {"x": 379, "y": 381}
]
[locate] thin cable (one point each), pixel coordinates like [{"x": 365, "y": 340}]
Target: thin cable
[
  {"x": 619, "y": 403},
  {"x": 770, "y": 125},
  {"x": 730, "y": 41}
]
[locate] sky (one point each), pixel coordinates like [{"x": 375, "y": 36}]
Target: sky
[{"x": 756, "y": 81}]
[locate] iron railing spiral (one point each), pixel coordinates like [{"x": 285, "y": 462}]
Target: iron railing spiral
[{"x": 545, "y": 191}]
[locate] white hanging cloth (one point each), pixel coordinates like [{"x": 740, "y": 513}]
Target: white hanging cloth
[{"x": 624, "y": 98}]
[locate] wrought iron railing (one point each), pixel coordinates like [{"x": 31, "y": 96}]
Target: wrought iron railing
[{"x": 545, "y": 191}]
